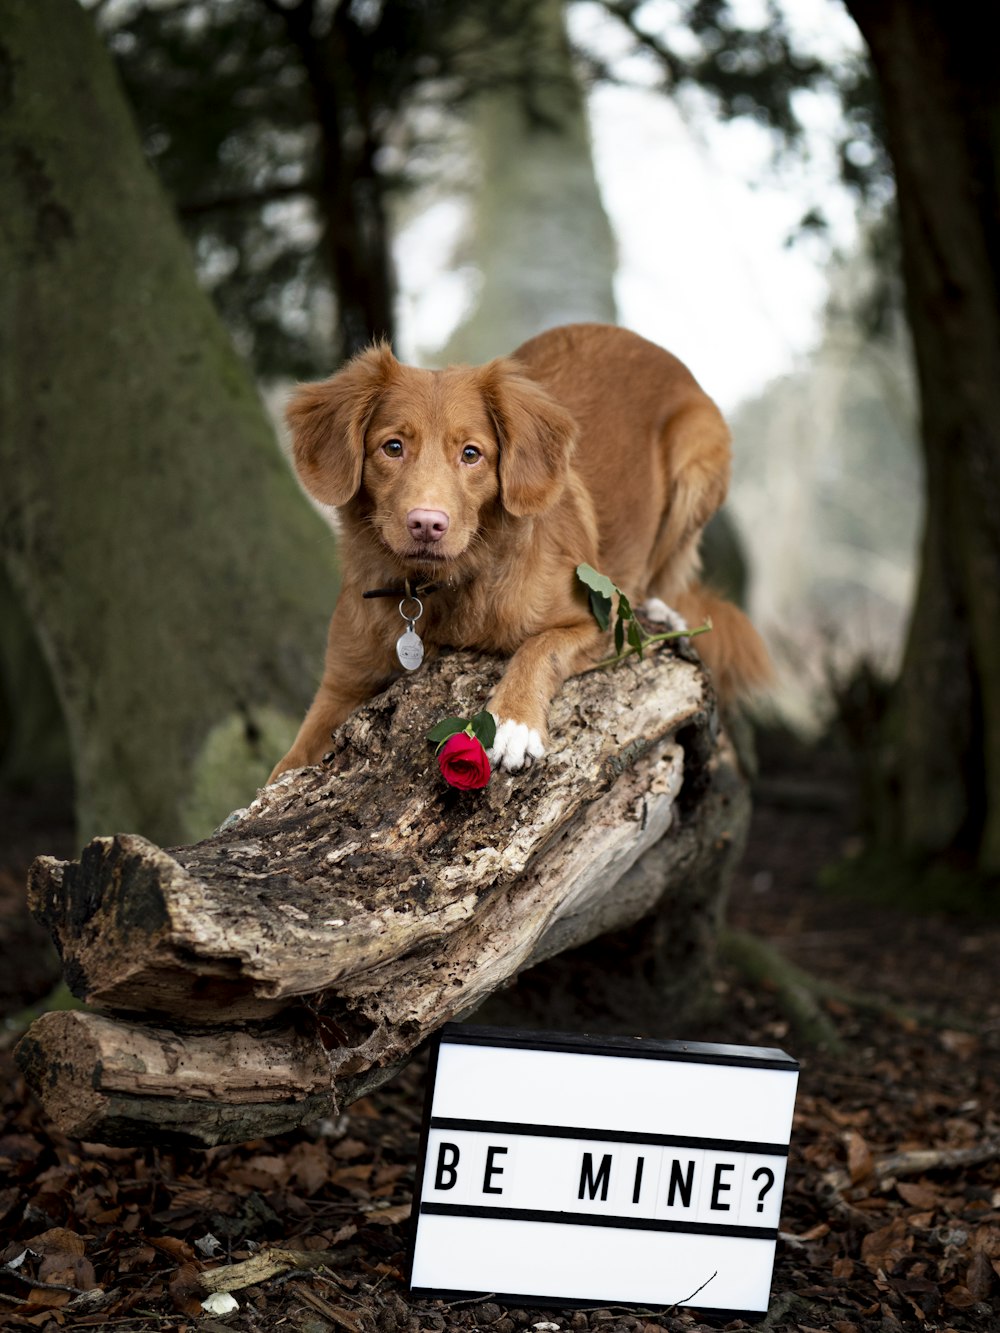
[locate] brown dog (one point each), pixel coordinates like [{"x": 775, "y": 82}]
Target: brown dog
[{"x": 492, "y": 484}]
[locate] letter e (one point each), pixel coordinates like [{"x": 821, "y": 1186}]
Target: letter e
[
  {"x": 492, "y": 1171},
  {"x": 718, "y": 1186}
]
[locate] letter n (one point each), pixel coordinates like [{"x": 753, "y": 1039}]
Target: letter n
[{"x": 680, "y": 1184}]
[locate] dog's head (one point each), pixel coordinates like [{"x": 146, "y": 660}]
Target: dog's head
[{"x": 431, "y": 457}]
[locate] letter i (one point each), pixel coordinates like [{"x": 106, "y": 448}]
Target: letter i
[{"x": 637, "y": 1188}]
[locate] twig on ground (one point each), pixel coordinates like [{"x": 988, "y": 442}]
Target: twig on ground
[
  {"x": 917, "y": 1162},
  {"x": 269, "y": 1263},
  {"x": 760, "y": 961}
]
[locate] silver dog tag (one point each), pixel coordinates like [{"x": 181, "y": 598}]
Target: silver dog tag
[{"x": 410, "y": 649}]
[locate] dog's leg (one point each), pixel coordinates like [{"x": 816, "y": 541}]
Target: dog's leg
[
  {"x": 520, "y": 703},
  {"x": 357, "y": 667},
  {"x": 329, "y": 708},
  {"x": 695, "y": 450}
]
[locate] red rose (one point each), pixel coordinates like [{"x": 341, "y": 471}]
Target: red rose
[{"x": 463, "y": 762}]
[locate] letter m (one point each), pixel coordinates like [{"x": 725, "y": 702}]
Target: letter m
[{"x": 591, "y": 1183}]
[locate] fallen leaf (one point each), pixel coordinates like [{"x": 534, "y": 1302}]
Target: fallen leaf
[
  {"x": 58, "y": 1240},
  {"x": 987, "y": 1239},
  {"x": 918, "y": 1195},
  {"x": 172, "y": 1245},
  {"x": 139, "y": 1256},
  {"x": 349, "y": 1177},
  {"x": 49, "y": 1299},
  {"x": 960, "y": 1298},
  {"x": 860, "y": 1162},
  {"x": 348, "y": 1149},
  {"x": 963, "y": 1044},
  {"x": 817, "y": 1232},
  {"x": 185, "y": 1290},
  {"x": 309, "y": 1166},
  {"x": 979, "y": 1277},
  {"x": 886, "y": 1247},
  {"x": 68, "y": 1270},
  {"x": 387, "y": 1217}
]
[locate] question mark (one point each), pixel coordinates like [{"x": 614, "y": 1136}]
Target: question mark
[{"x": 763, "y": 1171}]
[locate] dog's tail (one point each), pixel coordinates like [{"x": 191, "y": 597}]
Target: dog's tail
[{"x": 733, "y": 651}]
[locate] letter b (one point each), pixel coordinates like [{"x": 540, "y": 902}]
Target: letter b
[{"x": 447, "y": 1166}]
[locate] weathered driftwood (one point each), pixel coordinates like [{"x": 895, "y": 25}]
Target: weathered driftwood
[{"x": 304, "y": 951}]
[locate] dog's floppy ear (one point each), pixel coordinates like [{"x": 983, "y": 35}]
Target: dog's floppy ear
[
  {"x": 328, "y": 422},
  {"x": 537, "y": 437}
]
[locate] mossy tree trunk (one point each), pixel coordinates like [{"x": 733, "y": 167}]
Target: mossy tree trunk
[
  {"x": 177, "y": 581},
  {"x": 940, "y": 82}
]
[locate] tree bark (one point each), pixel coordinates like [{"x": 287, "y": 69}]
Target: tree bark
[
  {"x": 176, "y": 580},
  {"x": 940, "y": 84},
  {"x": 362, "y": 903}
]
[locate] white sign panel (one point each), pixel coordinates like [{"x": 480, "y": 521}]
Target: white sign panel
[{"x": 567, "y": 1170}]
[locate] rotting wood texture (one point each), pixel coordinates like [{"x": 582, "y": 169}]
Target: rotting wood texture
[{"x": 300, "y": 954}]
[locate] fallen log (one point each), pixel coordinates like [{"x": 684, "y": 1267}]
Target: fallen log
[{"x": 297, "y": 957}]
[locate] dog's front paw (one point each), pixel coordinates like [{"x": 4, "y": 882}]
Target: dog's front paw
[
  {"x": 515, "y": 745},
  {"x": 662, "y": 614}
]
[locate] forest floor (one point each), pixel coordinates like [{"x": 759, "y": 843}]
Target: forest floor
[{"x": 891, "y": 1216}]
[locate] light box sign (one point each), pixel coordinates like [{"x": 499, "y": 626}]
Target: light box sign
[{"x": 569, "y": 1170}]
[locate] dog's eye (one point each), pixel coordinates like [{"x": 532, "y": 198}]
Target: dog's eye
[
  {"x": 470, "y": 454},
  {"x": 393, "y": 448}
]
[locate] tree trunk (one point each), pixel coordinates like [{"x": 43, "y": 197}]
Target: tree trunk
[
  {"x": 356, "y": 241},
  {"x": 541, "y": 238},
  {"x": 177, "y": 581},
  {"x": 34, "y": 747},
  {"x": 940, "y": 83},
  {"x": 328, "y": 930}
]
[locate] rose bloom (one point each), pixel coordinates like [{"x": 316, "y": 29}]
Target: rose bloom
[{"x": 463, "y": 762}]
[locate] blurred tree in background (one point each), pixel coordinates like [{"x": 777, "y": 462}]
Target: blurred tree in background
[
  {"x": 938, "y": 754},
  {"x": 157, "y": 554}
]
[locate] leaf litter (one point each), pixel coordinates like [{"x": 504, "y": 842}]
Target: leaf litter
[{"x": 891, "y": 1216}]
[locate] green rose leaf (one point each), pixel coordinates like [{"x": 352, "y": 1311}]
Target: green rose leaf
[
  {"x": 484, "y": 728},
  {"x": 619, "y": 636},
  {"x": 448, "y": 726},
  {"x": 635, "y": 636},
  {"x": 598, "y": 582},
  {"x": 601, "y": 608},
  {"x": 601, "y": 591}
]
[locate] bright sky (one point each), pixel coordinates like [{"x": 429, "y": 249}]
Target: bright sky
[{"x": 703, "y": 222}]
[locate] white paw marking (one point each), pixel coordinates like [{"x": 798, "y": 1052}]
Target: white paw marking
[
  {"x": 661, "y": 614},
  {"x": 515, "y": 745}
]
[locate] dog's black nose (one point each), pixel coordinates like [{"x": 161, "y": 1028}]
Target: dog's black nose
[{"x": 427, "y": 525}]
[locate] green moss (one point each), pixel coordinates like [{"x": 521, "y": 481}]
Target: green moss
[
  {"x": 233, "y": 764},
  {"x": 884, "y": 878}
]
